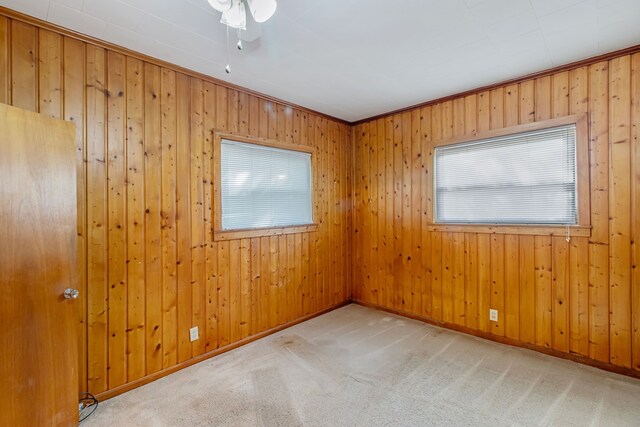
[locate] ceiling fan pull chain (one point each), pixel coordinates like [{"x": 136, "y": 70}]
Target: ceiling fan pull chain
[
  {"x": 227, "y": 68},
  {"x": 239, "y": 40}
]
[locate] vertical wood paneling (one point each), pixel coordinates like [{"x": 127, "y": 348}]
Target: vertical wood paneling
[
  {"x": 576, "y": 296},
  {"x": 145, "y": 219}
]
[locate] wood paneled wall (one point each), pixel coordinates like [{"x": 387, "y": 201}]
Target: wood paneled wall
[
  {"x": 581, "y": 297},
  {"x": 148, "y": 267}
]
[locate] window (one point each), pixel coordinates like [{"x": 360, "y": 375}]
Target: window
[
  {"x": 522, "y": 178},
  {"x": 263, "y": 187}
]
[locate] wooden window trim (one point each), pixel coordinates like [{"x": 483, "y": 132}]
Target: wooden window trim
[
  {"x": 222, "y": 235},
  {"x": 582, "y": 228}
]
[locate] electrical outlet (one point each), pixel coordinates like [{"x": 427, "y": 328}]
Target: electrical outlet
[
  {"x": 193, "y": 333},
  {"x": 493, "y": 315}
]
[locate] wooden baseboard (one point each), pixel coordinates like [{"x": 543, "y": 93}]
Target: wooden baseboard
[
  {"x": 108, "y": 394},
  {"x": 575, "y": 357}
]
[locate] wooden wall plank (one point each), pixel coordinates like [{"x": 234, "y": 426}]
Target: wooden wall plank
[
  {"x": 598, "y": 243},
  {"x": 543, "y": 306},
  {"x": 484, "y": 282},
  {"x": 135, "y": 224},
  {"x": 512, "y": 286},
  {"x": 579, "y": 248},
  {"x": 497, "y": 282},
  {"x": 416, "y": 171},
  {"x": 579, "y": 296},
  {"x": 153, "y": 218},
  {"x": 168, "y": 224},
  {"x": 117, "y": 207},
  {"x": 24, "y": 53},
  {"x": 196, "y": 205},
  {"x": 5, "y": 60},
  {"x": 527, "y": 275},
  {"x": 97, "y": 261},
  {"x": 425, "y": 208},
  {"x": 50, "y": 82},
  {"x": 635, "y": 210},
  {"x": 560, "y": 293},
  {"x": 398, "y": 273},
  {"x": 405, "y": 216},
  {"x": 184, "y": 299},
  {"x": 620, "y": 210},
  {"x": 210, "y": 251}
]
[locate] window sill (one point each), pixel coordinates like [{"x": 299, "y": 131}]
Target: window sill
[
  {"x": 537, "y": 230},
  {"x": 224, "y": 235}
]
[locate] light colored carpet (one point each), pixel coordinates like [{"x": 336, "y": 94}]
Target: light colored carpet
[{"x": 361, "y": 367}]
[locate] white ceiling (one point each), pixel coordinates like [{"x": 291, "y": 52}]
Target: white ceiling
[{"x": 353, "y": 59}]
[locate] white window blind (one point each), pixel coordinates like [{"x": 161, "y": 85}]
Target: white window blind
[
  {"x": 525, "y": 178},
  {"x": 264, "y": 186}
]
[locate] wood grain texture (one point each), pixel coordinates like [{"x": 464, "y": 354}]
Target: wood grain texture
[
  {"x": 37, "y": 263},
  {"x": 149, "y": 267},
  {"x": 162, "y": 271},
  {"x": 577, "y": 297}
]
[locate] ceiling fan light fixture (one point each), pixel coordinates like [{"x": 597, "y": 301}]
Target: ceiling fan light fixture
[
  {"x": 262, "y": 9},
  {"x": 221, "y": 5},
  {"x": 236, "y": 17}
]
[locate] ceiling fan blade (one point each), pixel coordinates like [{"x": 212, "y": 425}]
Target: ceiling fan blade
[
  {"x": 262, "y": 9},
  {"x": 221, "y": 5}
]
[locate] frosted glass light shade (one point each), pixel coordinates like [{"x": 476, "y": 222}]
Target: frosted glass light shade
[
  {"x": 221, "y": 5},
  {"x": 262, "y": 9},
  {"x": 236, "y": 17}
]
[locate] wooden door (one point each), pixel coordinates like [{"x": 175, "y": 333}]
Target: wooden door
[{"x": 38, "y": 331}]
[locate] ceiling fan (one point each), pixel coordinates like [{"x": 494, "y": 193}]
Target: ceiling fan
[
  {"x": 234, "y": 15},
  {"x": 234, "y": 11}
]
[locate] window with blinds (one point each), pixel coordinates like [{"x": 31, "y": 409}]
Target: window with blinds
[
  {"x": 264, "y": 186},
  {"x": 527, "y": 178}
]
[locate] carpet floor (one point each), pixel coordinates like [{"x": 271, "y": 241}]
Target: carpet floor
[{"x": 360, "y": 367}]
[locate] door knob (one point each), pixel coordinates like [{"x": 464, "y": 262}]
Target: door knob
[{"x": 71, "y": 293}]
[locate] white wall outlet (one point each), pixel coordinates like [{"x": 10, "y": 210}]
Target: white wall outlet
[
  {"x": 493, "y": 315},
  {"x": 193, "y": 333}
]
